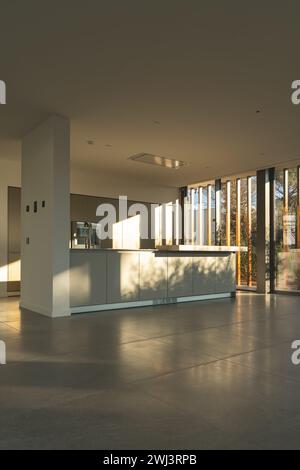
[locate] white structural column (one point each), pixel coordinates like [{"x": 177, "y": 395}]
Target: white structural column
[{"x": 45, "y": 218}]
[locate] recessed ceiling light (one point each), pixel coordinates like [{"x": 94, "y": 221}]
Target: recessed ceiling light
[{"x": 157, "y": 160}]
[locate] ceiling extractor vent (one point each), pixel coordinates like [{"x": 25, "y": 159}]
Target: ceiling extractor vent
[{"x": 157, "y": 160}]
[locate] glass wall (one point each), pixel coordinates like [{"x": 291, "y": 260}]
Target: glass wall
[
  {"x": 233, "y": 207},
  {"x": 225, "y": 214},
  {"x": 252, "y": 281},
  {"x": 287, "y": 240},
  {"x": 213, "y": 214}
]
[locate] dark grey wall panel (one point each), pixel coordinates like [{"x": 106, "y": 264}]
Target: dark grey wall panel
[{"x": 83, "y": 208}]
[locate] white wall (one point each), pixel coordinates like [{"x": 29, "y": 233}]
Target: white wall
[
  {"x": 113, "y": 185},
  {"x": 10, "y": 175}
]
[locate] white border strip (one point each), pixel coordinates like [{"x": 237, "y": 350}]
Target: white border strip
[{"x": 147, "y": 303}]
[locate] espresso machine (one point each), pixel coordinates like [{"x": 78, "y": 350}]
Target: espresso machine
[{"x": 84, "y": 235}]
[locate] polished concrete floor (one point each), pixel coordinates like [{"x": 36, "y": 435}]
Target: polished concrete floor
[{"x": 205, "y": 375}]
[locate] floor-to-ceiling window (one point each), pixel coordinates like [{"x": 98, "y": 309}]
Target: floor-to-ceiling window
[
  {"x": 287, "y": 224},
  {"x": 225, "y": 214},
  {"x": 252, "y": 280}
]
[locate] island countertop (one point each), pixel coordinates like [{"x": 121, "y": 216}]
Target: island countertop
[
  {"x": 202, "y": 248},
  {"x": 172, "y": 249}
]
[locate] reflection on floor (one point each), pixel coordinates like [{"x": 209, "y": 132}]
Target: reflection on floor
[{"x": 201, "y": 375}]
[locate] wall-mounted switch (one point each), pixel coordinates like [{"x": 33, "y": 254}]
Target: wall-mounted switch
[
  {"x": 27, "y": 208},
  {"x": 43, "y": 203},
  {"x": 35, "y": 206},
  {"x": 27, "y": 240}
]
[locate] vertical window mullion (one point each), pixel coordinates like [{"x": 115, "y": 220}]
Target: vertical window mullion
[
  {"x": 209, "y": 214},
  {"x": 238, "y": 229},
  {"x": 189, "y": 218},
  {"x": 200, "y": 215},
  {"x": 177, "y": 223},
  {"x": 285, "y": 206},
  {"x": 228, "y": 215},
  {"x": 286, "y": 189},
  {"x": 186, "y": 219},
  {"x": 192, "y": 209}
]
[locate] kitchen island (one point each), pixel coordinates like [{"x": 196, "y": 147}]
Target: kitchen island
[{"x": 105, "y": 279}]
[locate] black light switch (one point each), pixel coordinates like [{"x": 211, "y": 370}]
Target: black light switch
[
  {"x": 35, "y": 206},
  {"x": 27, "y": 208},
  {"x": 43, "y": 203}
]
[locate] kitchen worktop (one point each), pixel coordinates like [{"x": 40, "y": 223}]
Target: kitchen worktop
[
  {"x": 202, "y": 248},
  {"x": 172, "y": 248}
]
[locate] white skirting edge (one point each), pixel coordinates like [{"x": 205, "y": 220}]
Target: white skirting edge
[
  {"x": 146, "y": 303},
  {"x": 41, "y": 310}
]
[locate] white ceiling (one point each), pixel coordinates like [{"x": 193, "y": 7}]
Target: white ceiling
[{"x": 181, "y": 79}]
